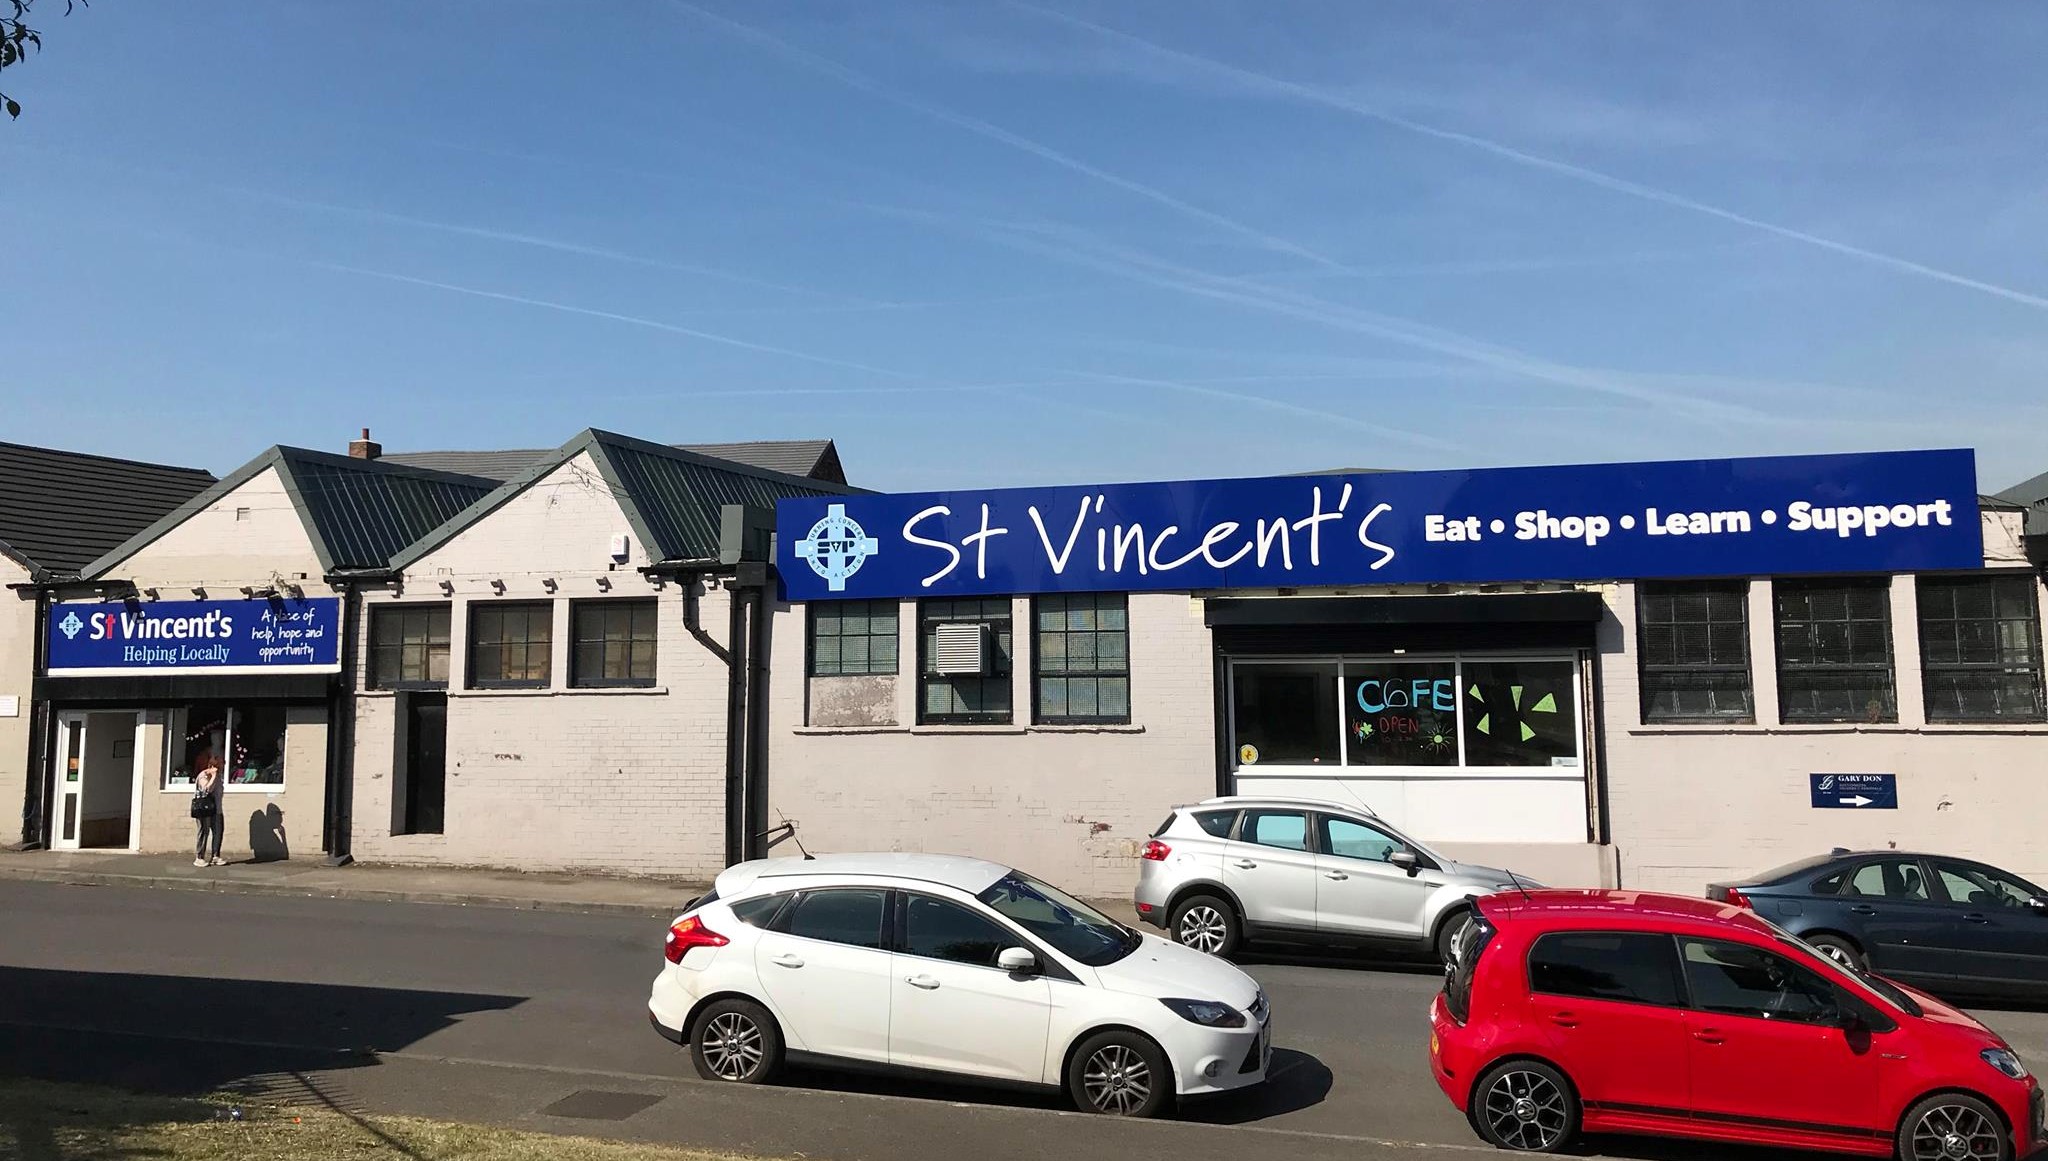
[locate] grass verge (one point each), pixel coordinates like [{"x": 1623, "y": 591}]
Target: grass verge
[{"x": 62, "y": 1122}]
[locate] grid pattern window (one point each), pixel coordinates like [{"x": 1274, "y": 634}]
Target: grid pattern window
[
  {"x": 1835, "y": 651},
  {"x": 1083, "y": 658},
  {"x": 853, "y": 638},
  {"x": 511, "y": 646},
  {"x": 958, "y": 698},
  {"x": 1980, "y": 649},
  {"x": 409, "y": 647},
  {"x": 1693, "y": 641},
  {"x": 613, "y": 643}
]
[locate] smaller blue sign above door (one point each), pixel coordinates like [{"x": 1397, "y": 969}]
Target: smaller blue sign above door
[
  {"x": 1854, "y": 791},
  {"x": 117, "y": 638}
]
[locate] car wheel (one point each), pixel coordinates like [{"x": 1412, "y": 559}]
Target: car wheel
[
  {"x": 1206, "y": 923},
  {"x": 1838, "y": 949},
  {"x": 1121, "y": 1074},
  {"x": 1953, "y": 1126},
  {"x": 1447, "y": 935},
  {"x": 1525, "y": 1106},
  {"x": 736, "y": 1041}
]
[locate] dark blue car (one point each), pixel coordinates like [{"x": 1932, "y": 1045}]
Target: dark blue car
[{"x": 1952, "y": 926}]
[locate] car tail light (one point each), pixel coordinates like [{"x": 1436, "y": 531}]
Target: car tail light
[
  {"x": 689, "y": 933},
  {"x": 1737, "y": 899},
  {"x": 1155, "y": 851}
]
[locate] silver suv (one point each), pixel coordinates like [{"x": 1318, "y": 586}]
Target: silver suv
[{"x": 1228, "y": 870}]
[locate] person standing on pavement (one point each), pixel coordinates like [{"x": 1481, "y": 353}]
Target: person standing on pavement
[{"x": 206, "y": 811}]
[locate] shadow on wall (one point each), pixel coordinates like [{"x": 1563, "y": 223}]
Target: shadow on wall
[
  {"x": 75, "y": 1027},
  {"x": 267, "y": 842}
]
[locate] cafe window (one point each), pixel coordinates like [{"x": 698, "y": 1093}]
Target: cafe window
[
  {"x": 612, "y": 643},
  {"x": 1082, "y": 656},
  {"x": 978, "y": 691},
  {"x": 1406, "y": 712},
  {"x": 246, "y": 742},
  {"x": 1693, "y": 641},
  {"x": 511, "y": 646},
  {"x": 409, "y": 647},
  {"x": 1835, "y": 651},
  {"x": 853, "y": 638},
  {"x": 1980, "y": 649}
]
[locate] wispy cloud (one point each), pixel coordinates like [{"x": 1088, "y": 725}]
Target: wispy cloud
[
  {"x": 1320, "y": 415},
  {"x": 997, "y": 133},
  {"x": 1278, "y": 86}
]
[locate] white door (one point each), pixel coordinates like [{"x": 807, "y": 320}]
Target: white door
[
  {"x": 826, "y": 968},
  {"x": 951, "y": 1008},
  {"x": 1357, "y": 891},
  {"x": 1271, "y": 869},
  {"x": 67, "y": 815}
]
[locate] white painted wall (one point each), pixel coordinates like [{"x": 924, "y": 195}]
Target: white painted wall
[
  {"x": 17, "y": 677},
  {"x": 250, "y": 536}
]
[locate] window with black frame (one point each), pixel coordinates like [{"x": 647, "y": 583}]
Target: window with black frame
[
  {"x": 511, "y": 646},
  {"x": 982, "y": 698},
  {"x": 1980, "y": 649},
  {"x": 1835, "y": 650},
  {"x": 409, "y": 647},
  {"x": 1692, "y": 642},
  {"x": 1082, "y": 656},
  {"x": 853, "y": 638},
  {"x": 613, "y": 643}
]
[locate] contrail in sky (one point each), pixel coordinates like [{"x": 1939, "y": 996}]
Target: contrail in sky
[
  {"x": 1325, "y": 97},
  {"x": 997, "y": 133}
]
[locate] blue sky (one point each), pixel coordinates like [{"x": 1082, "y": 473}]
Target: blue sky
[{"x": 990, "y": 243}]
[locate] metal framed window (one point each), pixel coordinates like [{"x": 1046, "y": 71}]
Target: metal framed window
[
  {"x": 954, "y": 698},
  {"x": 1692, "y": 643},
  {"x": 853, "y": 638},
  {"x": 511, "y": 645},
  {"x": 409, "y": 647},
  {"x": 1082, "y": 658},
  {"x": 1980, "y": 649},
  {"x": 612, "y": 642},
  {"x": 1835, "y": 650}
]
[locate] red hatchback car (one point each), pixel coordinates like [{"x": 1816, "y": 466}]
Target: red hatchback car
[{"x": 1624, "y": 1012}]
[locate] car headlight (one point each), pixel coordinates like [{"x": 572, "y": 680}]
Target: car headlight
[
  {"x": 2004, "y": 1061},
  {"x": 1207, "y": 1013}
]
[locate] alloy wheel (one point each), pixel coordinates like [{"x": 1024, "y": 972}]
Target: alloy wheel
[
  {"x": 732, "y": 1046},
  {"x": 1955, "y": 1133},
  {"x": 1839, "y": 954},
  {"x": 1117, "y": 1079},
  {"x": 1202, "y": 928},
  {"x": 1526, "y": 1111}
]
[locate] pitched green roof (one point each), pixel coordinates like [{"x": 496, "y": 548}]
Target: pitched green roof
[
  {"x": 670, "y": 496},
  {"x": 357, "y": 513}
]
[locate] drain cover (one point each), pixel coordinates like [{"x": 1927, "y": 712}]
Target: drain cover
[{"x": 591, "y": 1104}]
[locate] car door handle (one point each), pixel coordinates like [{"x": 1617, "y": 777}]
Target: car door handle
[
  {"x": 1335, "y": 875},
  {"x": 925, "y": 982},
  {"x": 789, "y": 961},
  {"x": 1564, "y": 1019},
  {"x": 1863, "y": 909},
  {"x": 1245, "y": 864},
  {"x": 1973, "y": 917},
  {"x": 1708, "y": 1036}
]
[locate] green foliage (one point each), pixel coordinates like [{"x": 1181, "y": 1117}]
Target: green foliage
[{"x": 17, "y": 39}]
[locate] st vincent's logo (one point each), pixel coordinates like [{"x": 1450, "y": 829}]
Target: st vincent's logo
[
  {"x": 836, "y": 547},
  {"x": 71, "y": 625}
]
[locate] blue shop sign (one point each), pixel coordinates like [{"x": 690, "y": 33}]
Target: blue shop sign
[
  {"x": 107, "y": 638},
  {"x": 1782, "y": 515},
  {"x": 1854, "y": 791}
]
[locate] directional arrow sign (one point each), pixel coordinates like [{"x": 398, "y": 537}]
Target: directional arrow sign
[{"x": 1854, "y": 791}]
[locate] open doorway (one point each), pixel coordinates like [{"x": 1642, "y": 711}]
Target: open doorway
[{"x": 96, "y": 781}]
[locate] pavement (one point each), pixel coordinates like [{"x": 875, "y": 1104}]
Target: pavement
[
  {"x": 641, "y": 896},
  {"x": 536, "y": 1020}
]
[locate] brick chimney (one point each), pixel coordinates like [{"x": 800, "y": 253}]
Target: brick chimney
[{"x": 365, "y": 448}]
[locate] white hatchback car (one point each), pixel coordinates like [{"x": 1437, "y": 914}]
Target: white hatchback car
[{"x": 943, "y": 964}]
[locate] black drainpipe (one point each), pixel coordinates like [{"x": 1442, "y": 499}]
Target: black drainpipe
[
  {"x": 753, "y": 579},
  {"x": 341, "y": 712},
  {"x": 36, "y": 783},
  {"x": 737, "y": 840}
]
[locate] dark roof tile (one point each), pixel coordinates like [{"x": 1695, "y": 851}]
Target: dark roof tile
[{"x": 60, "y": 510}]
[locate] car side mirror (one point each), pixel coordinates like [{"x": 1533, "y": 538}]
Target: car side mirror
[
  {"x": 1017, "y": 961},
  {"x": 1405, "y": 860}
]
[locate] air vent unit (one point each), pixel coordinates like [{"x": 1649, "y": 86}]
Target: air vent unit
[{"x": 961, "y": 649}]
